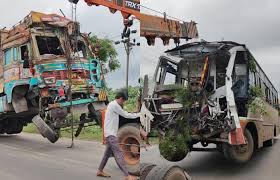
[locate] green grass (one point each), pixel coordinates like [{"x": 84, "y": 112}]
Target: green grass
[
  {"x": 30, "y": 128},
  {"x": 88, "y": 133}
]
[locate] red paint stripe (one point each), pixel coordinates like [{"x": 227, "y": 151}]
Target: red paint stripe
[{"x": 237, "y": 137}]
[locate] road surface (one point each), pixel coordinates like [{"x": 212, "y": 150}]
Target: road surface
[
  {"x": 31, "y": 157},
  {"x": 265, "y": 165}
]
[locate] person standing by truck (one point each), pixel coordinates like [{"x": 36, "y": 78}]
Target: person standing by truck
[{"x": 111, "y": 126}]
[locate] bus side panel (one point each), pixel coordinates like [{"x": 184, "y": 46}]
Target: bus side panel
[
  {"x": 270, "y": 121},
  {"x": 277, "y": 133},
  {"x": 259, "y": 128}
]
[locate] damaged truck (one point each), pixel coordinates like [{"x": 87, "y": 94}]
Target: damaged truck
[
  {"x": 44, "y": 57},
  {"x": 210, "y": 93},
  {"x": 49, "y": 71}
]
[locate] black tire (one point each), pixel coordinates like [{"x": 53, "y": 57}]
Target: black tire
[
  {"x": 130, "y": 134},
  {"x": 169, "y": 172},
  {"x": 98, "y": 118},
  {"x": 14, "y": 127},
  {"x": 95, "y": 115},
  {"x": 240, "y": 154},
  {"x": 145, "y": 170},
  {"x": 268, "y": 143},
  {"x": 45, "y": 130}
]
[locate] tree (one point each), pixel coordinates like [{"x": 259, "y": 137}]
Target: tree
[
  {"x": 133, "y": 95},
  {"x": 107, "y": 53}
]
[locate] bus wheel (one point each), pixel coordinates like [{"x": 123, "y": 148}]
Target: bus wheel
[
  {"x": 129, "y": 138},
  {"x": 268, "y": 143},
  {"x": 240, "y": 153}
]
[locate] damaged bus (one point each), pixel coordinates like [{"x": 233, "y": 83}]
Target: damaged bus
[
  {"x": 44, "y": 57},
  {"x": 230, "y": 101}
]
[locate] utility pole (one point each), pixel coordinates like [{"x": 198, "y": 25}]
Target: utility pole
[
  {"x": 128, "y": 45},
  {"x": 127, "y": 49}
]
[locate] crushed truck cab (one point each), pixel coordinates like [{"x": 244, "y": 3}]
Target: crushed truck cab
[{"x": 43, "y": 58}]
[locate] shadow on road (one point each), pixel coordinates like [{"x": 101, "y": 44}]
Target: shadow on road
[
  {"x": 5, "y": 136},
  {"x": 214, "y": 163}
]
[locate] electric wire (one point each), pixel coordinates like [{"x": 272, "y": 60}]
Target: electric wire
[{"x": 162, "y": 13}]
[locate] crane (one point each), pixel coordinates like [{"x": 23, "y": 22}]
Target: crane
[{"x": 151, "y": 27}]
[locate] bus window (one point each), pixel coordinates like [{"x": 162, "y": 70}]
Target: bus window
[{"x": 240, "y": 76}]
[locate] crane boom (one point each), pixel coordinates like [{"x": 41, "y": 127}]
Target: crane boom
[{"x": 151, "y": 26}]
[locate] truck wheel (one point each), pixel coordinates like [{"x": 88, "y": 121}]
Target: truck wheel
[
  {"x": 14, "y": 126},
  {"x": 145, "y": 168},
  {"x": 169, "y": 172},
  {"x": 268, "y": 143},
  {"x": 44, "y": 129},
  {"x": 130, "y": 134},
  {"x": 240, "y": 153}
]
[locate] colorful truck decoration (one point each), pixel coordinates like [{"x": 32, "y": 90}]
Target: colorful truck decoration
[{"x": 47, "y": 67}]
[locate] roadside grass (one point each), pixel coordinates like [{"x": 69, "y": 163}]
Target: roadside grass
[
  {"x": 153, "y": 140},
  {"x": 88, "y": 133}
]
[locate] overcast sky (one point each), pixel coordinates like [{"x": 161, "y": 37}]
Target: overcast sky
[
  {"x": 97, "y": 20},
  {"x": 255, "y": 23}
]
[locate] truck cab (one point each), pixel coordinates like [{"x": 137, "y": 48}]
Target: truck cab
[{"x": 44, "y": 58}]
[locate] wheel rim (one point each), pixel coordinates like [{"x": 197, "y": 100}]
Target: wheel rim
[{"x": 131, "y": 148}]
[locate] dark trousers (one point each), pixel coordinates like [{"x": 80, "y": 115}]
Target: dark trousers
[{"x": 113, "y": 149}]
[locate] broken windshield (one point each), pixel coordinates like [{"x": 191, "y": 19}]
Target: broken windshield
[
  {"x": 49, "y": 45},
  {"x": 167, "y": 73},
  {"x": 81, "y": 50}
]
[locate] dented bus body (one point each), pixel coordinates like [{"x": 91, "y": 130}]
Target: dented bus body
[
  {"x": 222, "y": 76},
  {"x": 41, "y": 57}
]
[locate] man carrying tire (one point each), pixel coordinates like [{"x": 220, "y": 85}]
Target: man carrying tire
[{"x": 111, "y": 126}]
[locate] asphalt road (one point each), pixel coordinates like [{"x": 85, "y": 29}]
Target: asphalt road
[
  {"x": 265, "y": 164},
  {"x": 31, "y": 157}
]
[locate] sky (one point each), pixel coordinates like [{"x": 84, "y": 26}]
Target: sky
[
  {"x": 97, "y": 20},
  {"x": 255, "y": 23}
]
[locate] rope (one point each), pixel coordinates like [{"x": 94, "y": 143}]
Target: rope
[{"x": 69, "y": 64}]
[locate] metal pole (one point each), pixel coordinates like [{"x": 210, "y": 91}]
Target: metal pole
[
  {"x": 127, "y": 64},
  {"x": 128, "y": 49}
]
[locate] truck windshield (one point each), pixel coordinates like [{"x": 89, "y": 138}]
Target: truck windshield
[
  {"x": 81, "y": 49},
  {"x": 49, "y": 45}
]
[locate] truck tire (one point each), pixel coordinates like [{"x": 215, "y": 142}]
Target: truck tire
[
  {"x": 44, "y": 129},
  {"x": 145, "y": 169},
  {"x": 130, "y": 134},
  {"x": 241, "y": 153},
  {"x": 14, "y": 126},
  {"x": 95, "y": 115},
  {"x": 167, "y": 172}
]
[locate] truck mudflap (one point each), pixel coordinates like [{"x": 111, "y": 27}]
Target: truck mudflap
[{"x": 45, "y": 129}]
